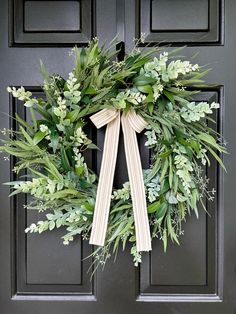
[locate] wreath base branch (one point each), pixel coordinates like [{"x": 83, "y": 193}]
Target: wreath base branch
[{"x": 131, "y": 123}]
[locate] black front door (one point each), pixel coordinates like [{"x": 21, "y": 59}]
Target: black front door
[{"x": 38, "y": 274}]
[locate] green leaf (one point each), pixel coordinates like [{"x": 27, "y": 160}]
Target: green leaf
[
  {"x": 164, "y": 170},
  {"x": 54, "y": 136},
  {"x": 153, "y": 207},
  {"x": 24, "y": 123},
  {"x": 58, "y": 222},
  {"x": 69, "y": 131},
  {"x": 92, "y": 53},
  {"x": 175, "y": 183},
  {"x": 83, "y": 58},
  {"x": 73, "y": 115},
  {"x": 161, "y": 211},
  {"x": 165, "y": 186},
  {"x": 32, "y": 113},
  {"x": 145, "y": 89},
  {"x": 51, "y": 225},
  {"x": 169, "y": 96},
  {"x": 12, "y": 182},
  {"x": 121, "y": 104},
  {"x": 129, "y": 61},
  {"x": 102, "y": 93},
  {"x": 181, "y": 136},
  {"x": 149, "y": 98},
  {"x": 38, "y": 137},
  {"x": 14, "y": 193},
  {"x": 26, "y": 136},
  {"x": 195, "y": 145},
  {"x": 92, "y": 146},
  {"x": 79, "y": 170},
  {"x": 180, "y": 133},
  {"x": 64, "y": 160},
  {"x": 194, "y": 199},
  {"x": 207, "y": 138},
  {"x": 183, "y": 141},
  {"x": 44, "y": 113},
  {"x": 51, "y": 168},
  {"x": 22, "y": 144},
  {"x": 64, "y": 193},
  {"x": 150, "y": 107},
  {"x": 44, "y": 72},
  {"x": 89, "y": 207},
  {"x": 100, "y": 77},
  {"x": 70, "y": 155},
  {"x": 77, "y": 63},
  {"x": 143, "y": 80},
  {"x": 164, "y": 239},
  {"x": 166, "y": 153},
  {"x": 217, "y": 157},
  {"x": 90, "y": 91},
  {"x": 170, "y": 171},
  {"x": 121, "y": 208},
  {"x": 82, "y": 113},
  {"x": 171, "y": 230}
]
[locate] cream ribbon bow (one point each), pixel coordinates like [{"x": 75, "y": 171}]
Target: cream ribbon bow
[{"x": 131, "y": 123}]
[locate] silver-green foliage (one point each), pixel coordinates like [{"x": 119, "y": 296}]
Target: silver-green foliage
[{"x": 51, "y": 148}]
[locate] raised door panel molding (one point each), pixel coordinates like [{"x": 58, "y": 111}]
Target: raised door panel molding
[
  {"x": 42, "y": 267},
  {"x": 51, "y": 16},
  {"x": 181, "y": 22},
  {"x": 51, "y": 23},
  {"x": 193, "y": 271},
  {"x": 187, "y": 15}
]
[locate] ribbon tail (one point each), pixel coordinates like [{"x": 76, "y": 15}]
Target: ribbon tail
[
  {"x": 105, "y": 184},
  {"x": 143, "y": 237}
]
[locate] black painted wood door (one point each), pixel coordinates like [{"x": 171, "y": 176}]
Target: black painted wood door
[{"x": 38, "y": 274}]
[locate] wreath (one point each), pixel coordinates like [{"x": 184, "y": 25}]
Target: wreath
[{"x": 149, "y": 91}]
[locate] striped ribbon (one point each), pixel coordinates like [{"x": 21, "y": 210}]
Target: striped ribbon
[{"x": 131, "y": 123}]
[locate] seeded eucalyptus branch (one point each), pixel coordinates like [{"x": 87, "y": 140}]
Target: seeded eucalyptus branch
[{"x": 52, "y": 148}]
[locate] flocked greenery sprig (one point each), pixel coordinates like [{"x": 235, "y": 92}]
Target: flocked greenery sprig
[{"x": 52, "y": 148}]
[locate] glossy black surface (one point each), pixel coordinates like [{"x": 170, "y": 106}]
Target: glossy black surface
[{"x": 38, "y": 274}]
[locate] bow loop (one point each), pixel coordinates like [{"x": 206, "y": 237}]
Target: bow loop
[
  {"x": 136, "y": 121},
  {"x": 104, "y": 117}
]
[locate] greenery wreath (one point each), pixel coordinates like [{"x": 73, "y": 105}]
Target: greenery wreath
[{"x": 52, "y": 147}]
